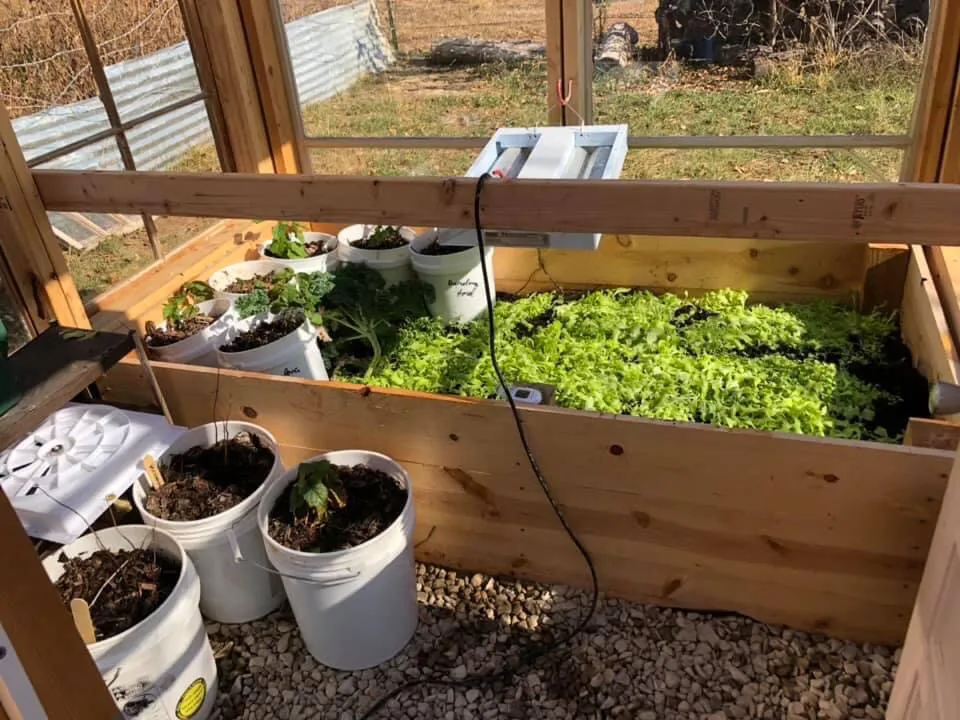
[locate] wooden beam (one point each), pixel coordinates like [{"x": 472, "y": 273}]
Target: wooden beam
[
  {"x": 56, "y": 661},
  {"x": 263, "y": 28},
  {"x": 936, "y": 434},
  {"x": 924, "y": 326},
  {"x": 42, "y": 282},
  {"x": 233, "y": 72},
  {"x": 816, "y": 534},
  {"x": 863, "y": 214}
]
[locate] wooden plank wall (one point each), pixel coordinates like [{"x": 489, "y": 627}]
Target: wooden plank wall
[{"x": 817, "y": 534}]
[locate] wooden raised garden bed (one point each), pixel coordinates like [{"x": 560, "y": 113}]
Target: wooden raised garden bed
[{"x": 819, "y": 534}]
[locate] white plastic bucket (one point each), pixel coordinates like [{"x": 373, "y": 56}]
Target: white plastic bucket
[
  {"x": 231, "y": 592},
  {"x": 356, "y": 608},
  {"x": 200, "y": 348},
  {"x": 318, "y": 263},
  {"x": 457, "y": 279},
  {"x": 222, "y": 279},
  {"x": 163, "y": 667},
  {"x": 294, "y": 355},
  {"x": 393, "y": 265}
]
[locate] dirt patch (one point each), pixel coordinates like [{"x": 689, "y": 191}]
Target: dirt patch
[
  {"x": 258, "y": 282},
  {"x": 206, "y": 481},
  {"x": 435, "y": 248},
  {"x": 373, "y": 501},
  {"x": 121, "y": 587},
  {"x": 161, "y": 337},
  {"x": 266, "y": 332}
]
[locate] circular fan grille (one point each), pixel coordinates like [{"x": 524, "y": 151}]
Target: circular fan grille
[{"x": 75, "y": 439}]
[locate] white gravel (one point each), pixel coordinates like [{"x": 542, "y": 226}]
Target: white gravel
[{"x": 634, "y": 662}]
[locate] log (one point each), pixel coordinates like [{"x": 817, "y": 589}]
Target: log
[
  {"x": 466, "y": 51},
  {"x": 617, "y": 47}
]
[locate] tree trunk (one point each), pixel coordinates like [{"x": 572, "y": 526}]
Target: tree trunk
[
  {"x": 464, "y": 51},
  {"x": 617, "y": 47}
]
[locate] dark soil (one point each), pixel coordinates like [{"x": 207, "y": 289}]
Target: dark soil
[
  {"x": 265, "y": 333},
  {"x": 122, "y": 588},
  {"x": 313, "y": 249},
  {"x": 373, "y": 501},
  {"x": 436, "y": 248},
  {"x": 206, "y": 481},
  {"x": 389, "y": 240},
  {"x": 244, "y": 286},
  {"x": 161, "y": 337}
]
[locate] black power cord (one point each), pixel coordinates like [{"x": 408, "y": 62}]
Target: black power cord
[{"x": 531, "y": 655}]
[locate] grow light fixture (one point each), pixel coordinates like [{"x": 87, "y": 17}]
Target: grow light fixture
[{"x": 590, "y": 152}]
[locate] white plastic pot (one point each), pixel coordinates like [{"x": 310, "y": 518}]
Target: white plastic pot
[
  {"x": 163, "y": 667},
  {"x": 324, "y": 262},
  {"x": 200, "y": 348},
  {"x": 457, "y": 279},
  {"x": 356, "y": 608},
  {"x": 294, "y": 355},
  {"x": 393, "y": 265},
  {"x": 231, "y": 592},
  {"x": 222, "y": 279}
]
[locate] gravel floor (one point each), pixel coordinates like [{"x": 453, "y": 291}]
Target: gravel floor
[{"x": 635, "y": 662}]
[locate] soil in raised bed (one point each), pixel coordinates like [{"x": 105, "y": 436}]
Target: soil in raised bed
[
  {"x": 161, "y": 337},
  {"x": 313, "y": 248},
  {"x": 374, "y": 500},
  {"x": 390, "y": 241},
  {"x": 206, "y": 481},
  {"x": 121, "y": 587},
  {"x": 243, "y": 286},
  {"x": 265, "y": 333},
  {"x": 435, "y": 248}
]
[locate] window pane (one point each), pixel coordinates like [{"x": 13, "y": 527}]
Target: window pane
[
  {"x": 13, "y": 320},
  {"x": 723, "y": 78},
  {"x": 351, "y": 81}
]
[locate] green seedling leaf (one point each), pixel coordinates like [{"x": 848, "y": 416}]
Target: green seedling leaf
[
  {"x": 318, "y": 488},
  {"x": 286, "y": 247}
]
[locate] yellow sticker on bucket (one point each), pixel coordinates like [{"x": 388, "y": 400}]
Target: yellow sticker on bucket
[{"x": 192, "y": 699}]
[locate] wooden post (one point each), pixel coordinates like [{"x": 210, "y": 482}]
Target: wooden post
[
  {"x": 554, "y": 30},
  {"x": 578, "y": 60},
  {"x": 42, "y": 282},
  {"x": 234, "y": 75},
  {"x": 64, "y": 677},
  {"x": 263, "y": 27}
]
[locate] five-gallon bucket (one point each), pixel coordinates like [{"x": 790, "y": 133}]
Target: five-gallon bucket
[
  {"x": 163, "y": 667},
  {"x": 224, "y": 278},
  {"x": 232, "y": 592},
  {"x": 200, "y": 348},
  {"x": 324, "y": 262},
  {"x": 294, "y": 355},
  {"x": 392, "y": 264},
  {"x": 356, "y": 608},
  {"x": 457, "y": 279}
]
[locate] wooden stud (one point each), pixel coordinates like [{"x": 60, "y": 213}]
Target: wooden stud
[
  {"x": 42, "y": 282},
  {"x": 812, "y": 212},
  {"x": 936, "y": 434},
  {"x": 553, "y": 16},
  {"x": 263, "y": 27},
  {"x": 235, "y": 78},
  {"x": 578, "y": 60},
  {"x": 42, "y": 632},
  {"x": 924, "y": 324}
]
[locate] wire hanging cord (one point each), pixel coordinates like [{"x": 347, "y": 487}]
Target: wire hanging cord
[
  {"x": 563, "y": 99},
  {"x": 532, "y": 654}
]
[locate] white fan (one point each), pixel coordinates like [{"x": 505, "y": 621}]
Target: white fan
[{"x": 66, "y": 473}]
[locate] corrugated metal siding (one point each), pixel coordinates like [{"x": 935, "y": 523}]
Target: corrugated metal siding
[{"x": 330, "y": 51}]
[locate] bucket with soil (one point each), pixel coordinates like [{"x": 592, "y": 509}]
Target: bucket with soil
[
  {"x": 194, "y": 340},
  {"x": 243, "y": 278},
  {"x": 214, "y": 476},
  {"x": 284, "y": 343},
  {"x": 456, "y": 276},
  {"x": 382, "y": 247},
  {"x": 320, "y": 249},
  {"x": 150, "y": 645},
  {"x": 339, "y": 528}
]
